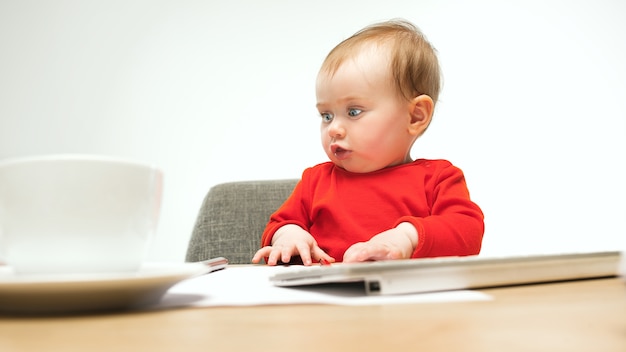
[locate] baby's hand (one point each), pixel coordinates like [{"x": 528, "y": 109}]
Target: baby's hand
[
  {"x": 368, "y": 251},
  {"x": 396, "y": 243},
  {"x": 288, "y": 241}
]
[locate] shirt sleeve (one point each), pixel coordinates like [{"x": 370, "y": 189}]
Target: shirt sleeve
[
  {"x": 292, "y": 211},
  {"x": 455, "y": 225}
]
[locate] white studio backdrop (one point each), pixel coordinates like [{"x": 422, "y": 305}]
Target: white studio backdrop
[{"x": 533, "y": 107}]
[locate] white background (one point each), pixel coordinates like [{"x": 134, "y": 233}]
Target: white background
[{"x": 533, "y": 107}]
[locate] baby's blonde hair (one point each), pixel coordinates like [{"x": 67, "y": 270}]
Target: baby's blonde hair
[{"x": 414, "y": 65}]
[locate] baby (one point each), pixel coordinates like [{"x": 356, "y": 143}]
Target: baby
[{"x": 376, "y": 93}]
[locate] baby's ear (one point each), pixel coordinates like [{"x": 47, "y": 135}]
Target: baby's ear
[{"x": 421, "y": 112}]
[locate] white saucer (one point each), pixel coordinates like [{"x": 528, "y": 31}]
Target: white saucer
[{"x": 28, "y": 294}]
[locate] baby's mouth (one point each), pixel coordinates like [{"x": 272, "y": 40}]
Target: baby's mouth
[{"x": 339, "y": 152}]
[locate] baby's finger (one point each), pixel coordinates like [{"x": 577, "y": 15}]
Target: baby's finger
[
  {"x": 319, "y": 255},
  {"x": 274, "y": 256},
  {"x": 358, "y": 252},
  {"x": 263, "y": 252},
  {"x": 305, "y": 253},
  {"x": 286, "y": 254}
]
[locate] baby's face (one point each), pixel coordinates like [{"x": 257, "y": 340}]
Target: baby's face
[{"x": 365, "y": 122}]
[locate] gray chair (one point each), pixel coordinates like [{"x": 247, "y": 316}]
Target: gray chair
[{"x": 232, "y": 218}]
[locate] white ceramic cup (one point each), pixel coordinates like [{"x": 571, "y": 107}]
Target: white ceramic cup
[{"x": 77, "y": 213}]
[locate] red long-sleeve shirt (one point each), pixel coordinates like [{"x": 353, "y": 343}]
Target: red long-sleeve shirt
[{"x": 340, "y": 208}]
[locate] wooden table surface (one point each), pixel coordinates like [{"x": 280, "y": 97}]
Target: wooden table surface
[{"x": 587, "y": 315}]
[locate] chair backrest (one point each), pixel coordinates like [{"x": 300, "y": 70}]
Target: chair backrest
[{"x": 232, "y": 219}]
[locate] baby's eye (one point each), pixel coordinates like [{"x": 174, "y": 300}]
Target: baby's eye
[
  {"x": 326, "y": 117},
  {"x": 354, "y": 112}
]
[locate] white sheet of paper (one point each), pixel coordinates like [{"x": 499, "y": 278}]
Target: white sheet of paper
[{"x": 250, "y": 286}]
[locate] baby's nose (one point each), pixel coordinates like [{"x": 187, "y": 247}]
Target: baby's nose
[{"x": 336, "y": 129}]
